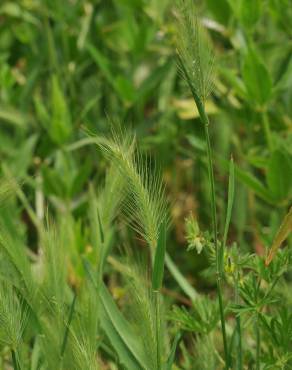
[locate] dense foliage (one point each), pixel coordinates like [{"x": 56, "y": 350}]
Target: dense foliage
[{"x": 145, "y": 184}]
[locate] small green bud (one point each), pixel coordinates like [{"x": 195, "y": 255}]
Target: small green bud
[
  {"x": 193, "y": 235},
  {"x": 229, "y": 265}
]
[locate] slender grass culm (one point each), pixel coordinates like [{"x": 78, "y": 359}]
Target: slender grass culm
[{"x": 195, "y": 61}]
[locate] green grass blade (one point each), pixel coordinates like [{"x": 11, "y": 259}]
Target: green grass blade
[
  {"x": 132, "y": 348},
  {"x": 229, "y": 201},
  {"x": 125, "y": 356},
  {"x": 283, "y": 232},
  {"x": 71, "y": 312},
  {"x": 171, "y": 356},
  {"x": 228, "y": 212},
  {"x": 102, "y": 62},
  {"x": 180, "y": 279},
  {"x": 100, "y": 227},
  {"x": 117, "y": 328},
  {"x": 251, "y": 182}
]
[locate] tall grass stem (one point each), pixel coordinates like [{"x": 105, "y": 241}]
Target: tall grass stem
[
  {"x": 238, "y": 327},
  {"x": 205, "y": 121},
  {"x": 258, "y": 343},
  {"x": 157, "y": 278},
  {"x": 157, "y": 328}
]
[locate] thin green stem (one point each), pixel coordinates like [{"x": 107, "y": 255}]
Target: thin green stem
[
  {"x": 157, "y": 278},
  {"x": 238, "y": 327},
  {"x": 258, "y": 343},
  {"x": 219, "y": 274},
  {"x": 239, "y": 344},
  {"x": 222, "y": 320},
  {"x": 157, "y": 328},
  {"x": 205, "y": 121},
  {"x": 257, "y": 326}
]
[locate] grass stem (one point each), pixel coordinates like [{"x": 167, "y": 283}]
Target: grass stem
[
  {"x": 157, "y": 278},
  {"x": 205, "y": 121},
  {"x": 238, "y": 328},
  {"x": 157, "y": 328},
  {"x": 258, "y": 343}
]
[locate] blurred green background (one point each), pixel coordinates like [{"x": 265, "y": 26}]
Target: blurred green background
[{"x": 66, "y": 67}]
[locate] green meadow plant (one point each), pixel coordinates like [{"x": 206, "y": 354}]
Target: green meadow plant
[
  {"x": 195, "y": 62},
  {"x": 145, "y": 209},
  {"x": 94, "y": 272},
  {"x": 196, "y": 65},
  {"x": 12, "y": 321}
]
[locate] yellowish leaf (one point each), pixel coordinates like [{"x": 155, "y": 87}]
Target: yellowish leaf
[
  {"x": 187, "y": 109},
  {"x": 282, "y": 234}
]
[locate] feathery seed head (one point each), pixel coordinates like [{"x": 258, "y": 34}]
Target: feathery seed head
[
  {"x": 144, "y": 203},
  {"x": 12, "y": 317},
  {"x": 194, "y": 50}
]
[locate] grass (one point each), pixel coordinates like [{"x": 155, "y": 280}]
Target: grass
[{"x": 145, "y": 185}]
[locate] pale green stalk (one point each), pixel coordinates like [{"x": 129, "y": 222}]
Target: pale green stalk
[
  {"x": 157, "y": 277},
  {"x": 257, "y": 329},
  {"x": 238, "y": 327},
  {"x": 258, "y": 343},
  {"x": 156, "y": 295}
]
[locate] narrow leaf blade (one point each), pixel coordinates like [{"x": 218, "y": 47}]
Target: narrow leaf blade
[
  {"x": 230, "y": 200},
  {"x": 180, "y": 279},
  {"x": 171, "y": 357},
  {"x": 283, "y": 232},
  {"x": 117, "y": 329}
]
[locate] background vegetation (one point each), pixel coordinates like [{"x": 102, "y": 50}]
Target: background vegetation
[{"x": 77, "y": 290}]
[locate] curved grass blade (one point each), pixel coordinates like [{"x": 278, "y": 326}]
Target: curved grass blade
[
  {"x": 171, "y": 357},
  {"x": 125, "y": 356},
  {"x": 180, "y": 279},
  {"x": 250, "y": 181},
  {"x": 229, "y": 211},
  {"x": 117, "y": 329},
  {"x": 230, "y": 200},
  {"x": 282, "y": 234},
  {"x": 123, "y": 330},
  {"x": 71, "y": 312}
]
